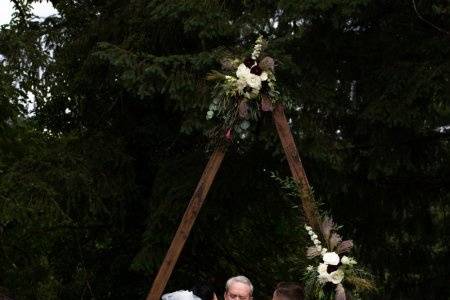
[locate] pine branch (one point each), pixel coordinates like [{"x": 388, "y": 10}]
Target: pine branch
[{"x": 426, "y": 21}]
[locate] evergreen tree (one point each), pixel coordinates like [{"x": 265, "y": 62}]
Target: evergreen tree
[{"x": 93, "y": 181}]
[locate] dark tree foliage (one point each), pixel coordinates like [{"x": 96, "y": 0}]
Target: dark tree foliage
[{"x": 94, "y": 179}]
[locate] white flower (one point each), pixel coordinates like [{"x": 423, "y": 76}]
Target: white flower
[
  {"x": 263, "y": 76},
  {"x": 257, "y": 48},
  {"x": 316, "y": 242},
  {"x": 324, "y": 278},
  {"x": 241, "y": 84},
  {"x": 253, "y": 81},
  {"x": 309, "y": 268},
  {"x": 245, "y": 125},
  {"x": 323, "y": 274},
  {"x": 209, "y": 115},
  {"x": 308, "y": 228},
  {"x": 319, "y": 248},
  {"x": 348, "y": 260},
  {"x": 322, "y": 268},
  {"x": 242, "y": 71},
  {"x": 311, "y": 233},
  {"x": 331, "y": 258},
  {"x": 345, "y": 260},
  {"x": 336, "y": 276},
  {"x": 324, "y": 250},
  {"x": 230, "y": 78},
  {"x": 314, "y": 237}
]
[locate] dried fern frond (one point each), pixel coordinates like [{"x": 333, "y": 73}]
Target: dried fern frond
[
  {"x": 326, "y": 227},
  {"x": 344, "y": 246},
  {"x": 361, "y": 283},
  {"x": 335, "y": 239},
  {"x": 215, "y": 75}
]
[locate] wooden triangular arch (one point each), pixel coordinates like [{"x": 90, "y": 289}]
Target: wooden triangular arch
[{"x": 298, "y": 173}]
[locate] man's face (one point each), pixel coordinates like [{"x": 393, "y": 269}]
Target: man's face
[{"x": 238, "y": 291}]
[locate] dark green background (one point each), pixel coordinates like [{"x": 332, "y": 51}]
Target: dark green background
[{"x": 90, "y": 197}]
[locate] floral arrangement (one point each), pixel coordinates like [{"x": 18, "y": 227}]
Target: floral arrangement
[
  {"x": 243, "y": 90},
  {"x": 335, "y": 276}
]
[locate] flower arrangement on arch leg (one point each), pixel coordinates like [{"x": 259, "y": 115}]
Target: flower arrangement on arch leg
[
  {"x": 335, "y": 274},
  {"x": 243, "y": 90}
]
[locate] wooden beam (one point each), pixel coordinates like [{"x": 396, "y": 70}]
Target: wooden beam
[
  {"x": 295, "y": 164},
  {"x": 186, "y": 224}
]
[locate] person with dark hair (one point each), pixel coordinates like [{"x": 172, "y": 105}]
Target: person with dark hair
[
  {"x": 204, "y": 292},
  {"x": 288, "y": 291}
]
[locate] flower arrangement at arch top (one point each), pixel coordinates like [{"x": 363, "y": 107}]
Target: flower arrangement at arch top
[
  {"x": 335, "y": 275},
  {"x": 243, "y": 90}
]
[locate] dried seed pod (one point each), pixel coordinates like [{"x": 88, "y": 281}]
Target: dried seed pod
[{"x": 267, "y": 64}]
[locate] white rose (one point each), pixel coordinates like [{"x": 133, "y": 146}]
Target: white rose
[
  {"x": 319, "y": 248},
  {"x": 331, "y": 258},
  {"x": 308, "y": 228},
  {"x": 316, "y": 242},
  {"x": 253, "y": 81},
  {"x": 336, "y": 276},
  {"x": 314, "y": 237},
  {"x": 324, "y": 250},
  {"x": 242, "y": 71},
  {"x": 263, "y": 76}
]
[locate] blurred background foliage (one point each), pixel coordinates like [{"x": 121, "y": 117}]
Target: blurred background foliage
[{"x": 94, "y": 178}]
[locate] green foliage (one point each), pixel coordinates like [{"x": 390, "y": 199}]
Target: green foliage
[{"x": 94, "y": 180}]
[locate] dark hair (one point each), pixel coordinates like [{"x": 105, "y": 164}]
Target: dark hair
[
  {"x": 203, "y": 291},
  {"x": 289, "y": 291}
]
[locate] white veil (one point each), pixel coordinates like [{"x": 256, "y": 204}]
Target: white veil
[{"x": 180, "y": 295}]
